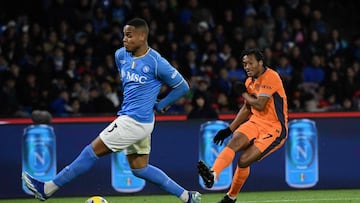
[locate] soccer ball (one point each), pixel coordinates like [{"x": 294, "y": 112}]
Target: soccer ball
[{"x": 96, "y": 199}]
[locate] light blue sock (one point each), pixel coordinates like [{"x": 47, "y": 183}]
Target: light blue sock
[
  {"x": 158, "y": 177},
  {"x": 80, "y": 165}
]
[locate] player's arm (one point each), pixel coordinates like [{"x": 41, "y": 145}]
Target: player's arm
[
  {"x": 176, "y": 93},
  {"x": 257, "y": 103},
  {"x": 171, "y": 77},
  {"x": 241, "y": 117},
  {"x": 119, "y": 56}
]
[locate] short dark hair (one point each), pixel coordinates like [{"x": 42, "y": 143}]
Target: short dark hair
[
  {"x": 139, "y": 23},
  {"x": 257, "y": 53}
]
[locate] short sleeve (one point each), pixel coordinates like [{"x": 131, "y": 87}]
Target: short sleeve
[{"x": 269, "y": 85}]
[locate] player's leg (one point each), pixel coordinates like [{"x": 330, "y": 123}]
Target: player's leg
[
  {"x": 241, "y": 139},
  {"x": 225, "y": 158},
  {"x": 83, "y": 162},
  {"x": 159, "y": 178},
  {"x": 237, "y": 143},
  {"x": 268, "y": 140},
  {"x": 239, "y": 179},
  {"x": 209, "y": 175},
  {"x": 138, "y": 157},
  {"x": 241, "y": 174},
  {"x": 115, "y": 137}
]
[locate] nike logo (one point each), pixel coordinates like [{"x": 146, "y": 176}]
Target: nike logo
[{"x": 269, "y": 136}]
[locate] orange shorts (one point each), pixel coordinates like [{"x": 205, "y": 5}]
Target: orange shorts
[{"x": 267, "y": 138}]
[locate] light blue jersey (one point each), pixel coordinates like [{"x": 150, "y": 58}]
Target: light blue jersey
[{"x": 142, "y": 78}]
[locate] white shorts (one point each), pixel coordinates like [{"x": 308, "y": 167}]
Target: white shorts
[{"x": 125, "y": 133}]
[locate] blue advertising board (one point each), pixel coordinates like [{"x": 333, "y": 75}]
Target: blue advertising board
[
  {"x": 301, "y": 157},
  {"x": 208, "y": 152},
  {"x": 175, "y": 149}
]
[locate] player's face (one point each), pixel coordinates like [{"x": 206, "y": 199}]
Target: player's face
[
  {"x": 252, "y": 66},
  {"x": 133, "y": 38}
]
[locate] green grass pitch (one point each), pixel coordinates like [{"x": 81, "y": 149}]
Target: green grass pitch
[{"x": 292, "y": 196}]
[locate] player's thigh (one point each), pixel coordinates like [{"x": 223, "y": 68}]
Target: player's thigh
[
  {"x": 142, "y": 146},
  {"x": 138, "y": 153},
  {"x": 100, "y": 149},
  {"x": 250, "y": 155},
  {"x": 247, "y": 135},
  {"x": 269, "y": 140},
  {"x": 238, "y": 142},
  {"x": 244, "y": 135},
  {"x": 124, "y": 132}
]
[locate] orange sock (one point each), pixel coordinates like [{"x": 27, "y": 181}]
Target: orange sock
[
  {"x": 224, "y": 159},
  {"x": 239, "y": 178}
]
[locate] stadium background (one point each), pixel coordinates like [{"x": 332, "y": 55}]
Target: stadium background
[{"x": 57, "y": 55}]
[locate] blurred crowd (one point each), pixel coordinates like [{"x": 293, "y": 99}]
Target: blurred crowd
[{"x": 58, "y": 55}]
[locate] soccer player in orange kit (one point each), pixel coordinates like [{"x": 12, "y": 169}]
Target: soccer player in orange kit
[{"x": 259, "y": 128}]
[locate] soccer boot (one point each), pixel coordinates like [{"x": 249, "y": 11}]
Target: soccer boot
[
  {"x": 194, "y": 197},
  {"x": 35, "y": 186},
  {"x": 227, "y": 199},
  {"x": 206, "y": 174}
]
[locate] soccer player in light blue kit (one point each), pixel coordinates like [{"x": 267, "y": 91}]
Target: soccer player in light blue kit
[{"x": 143, "y": 71}]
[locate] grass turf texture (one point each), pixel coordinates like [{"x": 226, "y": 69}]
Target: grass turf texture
[{"x": 298, "y": 196}]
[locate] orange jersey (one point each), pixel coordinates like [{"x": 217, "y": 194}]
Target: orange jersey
[{"x": 275, "y": 112}]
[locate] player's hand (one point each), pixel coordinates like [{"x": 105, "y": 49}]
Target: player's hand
[
  {"x": 222, "y": 135},
  {"x": 158, "y": 110}
]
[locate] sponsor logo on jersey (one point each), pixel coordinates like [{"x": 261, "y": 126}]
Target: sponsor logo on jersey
[
  {"x": 134, "y": 77},
  {"x": 266, "y": 87},
  {"x": 173, "y": 75}
]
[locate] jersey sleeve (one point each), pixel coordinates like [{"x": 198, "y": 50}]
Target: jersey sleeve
[
  {"x": 270, "y": 85},
  {"x": 119, "y": 58},
  {"x": 168, "y": 74}
]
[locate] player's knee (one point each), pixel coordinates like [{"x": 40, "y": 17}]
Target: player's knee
[
  {"x": 243, "y": 162},
  {"x": 137, "y": 161},
  {"x": 238, "y": 142}
]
